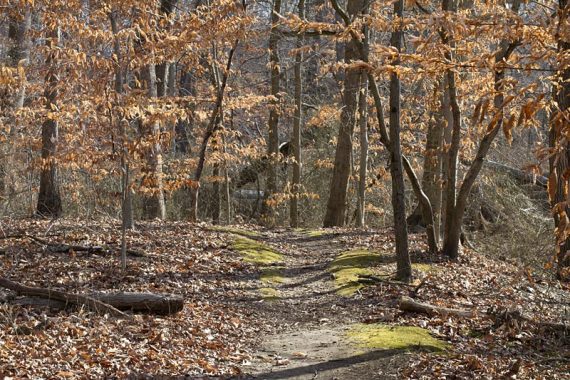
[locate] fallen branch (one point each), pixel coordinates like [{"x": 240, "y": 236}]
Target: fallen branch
[
  {"x": 408, "y": 304},
  {"x": 69, "y": 298}
]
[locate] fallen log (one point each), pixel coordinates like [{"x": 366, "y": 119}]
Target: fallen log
[
  {"x": 159, "y": 304},
  {"x": 69, "y": 298},
  {"x": 68, "y": 248},
  {"x": 408, "y": 304},
  {"x": 518, "y": 174}
]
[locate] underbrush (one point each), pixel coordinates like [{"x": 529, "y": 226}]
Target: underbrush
[{"x": 520, "y": 228}]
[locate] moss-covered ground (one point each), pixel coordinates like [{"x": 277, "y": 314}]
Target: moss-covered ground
[
  {"x": 265, "y": 257},
  {"x": 379, "y": 336}
]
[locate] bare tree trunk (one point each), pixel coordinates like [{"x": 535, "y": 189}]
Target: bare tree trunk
[
  {"x": 447, "y": 120},
  {"x": 404, "y": 266},
  {"x": 154, "y": 204},
  {"x": 337, "y": 202},
  {"x": 213, "y": 125},
  {"x": 560, "y": 163},
  {"x": 431, "y": 181},
  {"x": 273, "y": 124},
  {"x": 363, "y": 124},
  {"x": 19, "y": 56},
  {"x": 297, "y": 123},
  {"x": 127, "y": 198},
  {"x": 49, "y": 198}
]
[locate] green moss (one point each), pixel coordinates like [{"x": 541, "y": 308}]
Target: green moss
[
  {"x": 378, "y": 336},
  {"x": 235, "y": 231},
  {"x": 426, "y": 268},
  {"x": 262, "y": 255},
  {"x": 269, "y": 294},
  {"x": 256, "y": 252},
  {"x": 315, "y": 233},
  {"x": 271, "y": 276},
  {"x": 347, "y": 266}
]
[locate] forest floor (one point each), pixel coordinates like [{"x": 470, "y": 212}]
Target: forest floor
[{"x": 274, "y": 304}]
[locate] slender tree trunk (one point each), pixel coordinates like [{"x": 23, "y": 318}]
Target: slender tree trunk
[
  {"x": 363, "y": 124},
  {"x": 273, "y": 124},
  {"x": 297, "y": 123},
  {"x": 127, "y": 198},
  {"x": 49, "y": 198},
  {"x": 337, "y": 202},
  {"x": 19, "y": 57},
  {"x": 431, "y": 181},
  {"x": 560, "y": 163},
  {"x": 447, "y": 120},
  {"x": 154, "y": 205},
  {"x": 213, "y": 125},
  {"x": 404, "y": 267},
  {"x": 216, "y": 204}
]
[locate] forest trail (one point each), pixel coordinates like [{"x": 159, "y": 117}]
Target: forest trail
[{"x": 310, "y": 319}]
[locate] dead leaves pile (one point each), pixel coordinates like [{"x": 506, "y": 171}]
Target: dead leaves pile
[{"x": 209, "y": 337}]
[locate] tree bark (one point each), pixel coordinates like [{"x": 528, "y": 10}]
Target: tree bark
[
  {"x": 408, "y": 304},
  {"x": 337, "y": 202},
  {"x": 431, "y": 180},
  {"x": 404, "y": 266},
  {"x": 560, "y": 163},
  {"x": 273, "y": 123},
  {"x": 363, "y": 164},
  {"x": 154, "y": 205},
  {"x": 49, "y": 198},
  {"x": 297, "y": 123},
  {"x": 19, "y": 57}
]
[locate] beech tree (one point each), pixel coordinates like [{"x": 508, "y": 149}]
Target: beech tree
[
  {"x": 337, "y": 201},
  {"x": 560, "y": 122}
]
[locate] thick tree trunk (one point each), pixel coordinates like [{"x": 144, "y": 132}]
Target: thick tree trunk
[
  {"x": 404, "y": 267},
  {"x": 297, "y": 123},
  {"x": 337, "y": 202},
  {"x": 273, "y": 123},
  {"x": 49, "y": 198}
]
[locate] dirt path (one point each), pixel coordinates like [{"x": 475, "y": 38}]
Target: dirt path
[{"x": 309, "y": 319}]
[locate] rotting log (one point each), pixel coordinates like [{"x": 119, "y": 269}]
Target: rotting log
[
  {"x": 158, "y": 304},
  {"x": 69, "y": 298},
  {"x": 518, "y": 174},
  {"x": 112, "y": 303},
  {"x": 408, "y": 304}
]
